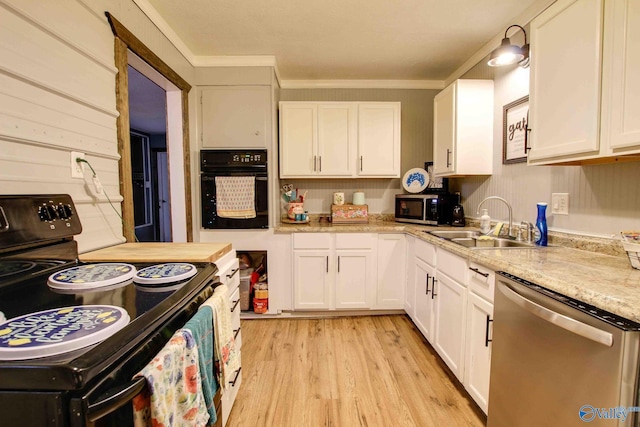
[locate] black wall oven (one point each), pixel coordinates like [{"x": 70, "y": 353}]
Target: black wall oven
[{"x": 233, "y": 163}]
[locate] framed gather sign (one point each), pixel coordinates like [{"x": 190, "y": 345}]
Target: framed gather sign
[{"x": 514, "y": 132}]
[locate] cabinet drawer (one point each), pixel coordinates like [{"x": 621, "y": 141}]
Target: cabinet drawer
[
  {"x": 234, "y": 303},
  {"x": 426, "y": 252},
  {"x": 354, "y": 240},
  {"x": 453, "y": 266},
  {"x": 481, "y": 280},
  {"x": 229, "y": 272},
  {"x": 311, "y": 240},
  {"x": 230, "y": 393}
]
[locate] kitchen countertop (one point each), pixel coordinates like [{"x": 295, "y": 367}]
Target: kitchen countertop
[
  {"x": 602, "y": 280},
  {"x": 159, "y": 252}
]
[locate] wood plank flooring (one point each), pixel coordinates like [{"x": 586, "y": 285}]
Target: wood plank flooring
[{"x": 349, "y": 371}]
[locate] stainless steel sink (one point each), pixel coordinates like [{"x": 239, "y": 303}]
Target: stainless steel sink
[
  {"x": 455, "y": 234},
  {"x": 468, "y": 239},
  {"x": 495, "y": 243}
]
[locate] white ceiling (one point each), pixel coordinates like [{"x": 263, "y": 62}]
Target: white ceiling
[{"x": 342, "y": 39}]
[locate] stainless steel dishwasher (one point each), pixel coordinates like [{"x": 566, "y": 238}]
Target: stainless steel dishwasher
[{"x": 559, "y": 362}]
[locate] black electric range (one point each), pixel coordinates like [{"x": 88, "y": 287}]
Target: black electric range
[{"x": 91, "y": 385}]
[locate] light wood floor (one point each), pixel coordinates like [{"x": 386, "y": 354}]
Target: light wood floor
[{"x": 351, "y": 371}]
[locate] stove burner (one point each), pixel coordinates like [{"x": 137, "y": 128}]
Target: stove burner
[
  {"x": 9, "y": 268},
  {"x": 164, "y": 274},
  {"x": 50, "y": 332},
  {"x": 92, "y": 276}
]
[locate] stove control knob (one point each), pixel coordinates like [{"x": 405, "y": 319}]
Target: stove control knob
[
  {"x": 44, "y": 213},
  {"x": 64, "y": 211},
  {"x": 53, "y": 212}
]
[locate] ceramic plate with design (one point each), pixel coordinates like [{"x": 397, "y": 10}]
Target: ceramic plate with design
[
  {"x": 169, "y": 272},
  {"x": 415, "y": 180},
  {"x": 92, "y": 276},
  {"x": 60, "y": 330}
]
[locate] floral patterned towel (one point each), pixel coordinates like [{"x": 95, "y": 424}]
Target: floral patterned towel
[
  {"x": 173, "y": 396},
  {"x": 226, "y": 355},
  {"x": 235, "y": 196}
]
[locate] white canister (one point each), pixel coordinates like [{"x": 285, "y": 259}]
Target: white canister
[
  {"x": 358, "y": 198},
  {"x": 338, "y": 198}
]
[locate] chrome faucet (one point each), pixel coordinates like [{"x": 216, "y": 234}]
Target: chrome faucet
[{"x": 511, "y": 236}]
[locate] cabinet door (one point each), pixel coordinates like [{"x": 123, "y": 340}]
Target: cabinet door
[
  {"x": 311, "y": 279},
  {"x": 379, "y": 139},
  {"x": 298, "y": 139},
  {"x": 564, "y": 101},
  {"x": 354, "y": 279},
  {"x": 424, "y": 275},
  {"x": 620, "y": 85},
  {"x": 392, "y": 274},
  {"x": 410, "y": 290},
  {"x": 444, "y": 130},
  {"x": 236, "y": 116},
  {"x": 337, "y": 135},
  {"x": 478, "y": 350},
  {"x": 450, "y": 320}
]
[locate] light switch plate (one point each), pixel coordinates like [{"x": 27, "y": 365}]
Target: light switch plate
[{"x": 560, "y": 203}]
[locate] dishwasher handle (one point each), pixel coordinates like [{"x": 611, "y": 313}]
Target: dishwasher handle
[{"x": 565, "y": 322}]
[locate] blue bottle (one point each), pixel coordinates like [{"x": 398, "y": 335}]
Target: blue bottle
[{"x": 541, "y": 224}]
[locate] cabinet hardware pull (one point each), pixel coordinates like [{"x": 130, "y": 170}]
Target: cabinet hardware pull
[
  {"x": 236, "y": 332},
  {"x": 479, "y": 272},
  {"x": 233, "y": 273},
  {"x": 314, "y": 163},
  {"x": 338, "y": 264},
  {"x": 319, "y": 163},
  {"x": 235, "y": 304},
  {"x": 433, "y": 287},
  {"x": 427, "y": 293},
  {"x": 526, "y": 140},
  {"x": 360, "y": 163},
  {"x": 448, "y": 163},
  {"x": 327, "y": 263},
  {"x": 233, "y": 383},
  {"x": 486, "y": 332}
]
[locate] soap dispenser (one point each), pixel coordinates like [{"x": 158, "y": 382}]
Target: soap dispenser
[{"x": 485, "y": 222}]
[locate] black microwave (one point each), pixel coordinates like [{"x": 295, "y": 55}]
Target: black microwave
[{"x": 428, "y": 209}]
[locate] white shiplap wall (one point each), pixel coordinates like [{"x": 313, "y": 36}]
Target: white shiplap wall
[
  {"x": 57, "y": 95},
  {"x": 603, "y": 199}
]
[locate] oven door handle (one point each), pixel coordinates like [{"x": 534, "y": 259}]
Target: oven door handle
[{"x": 115, "y": 398}]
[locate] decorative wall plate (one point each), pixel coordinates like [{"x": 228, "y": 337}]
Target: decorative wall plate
[{"x": 415, "y": 180}]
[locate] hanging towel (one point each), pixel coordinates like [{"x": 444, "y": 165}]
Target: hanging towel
[
  {"x": 235, "y": 196},
  {"x": 227, "y": 358},
  {"x": 173, "y": 395},
  {"x": 201, "y": 327}
]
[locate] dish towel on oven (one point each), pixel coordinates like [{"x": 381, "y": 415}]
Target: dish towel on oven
[
  {"x": 226, "y": 355},
  {"x": 235, "y": 196},
  {"x": 201, "y": 327},
  {"x": 173, "y": 396}
]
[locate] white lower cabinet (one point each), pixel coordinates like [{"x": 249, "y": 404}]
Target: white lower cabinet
[
  {"x": 450, "y": 314},
  {"x": 478, "y": 351},
  {"x": 391, "y": 271},
  {"x": 334, "y": 271},
  {"x": 479, "y": 321},
  {"x": 424, "y": 274}
]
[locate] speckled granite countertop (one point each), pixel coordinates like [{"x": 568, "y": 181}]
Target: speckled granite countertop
[{"x": 600, "y": 275}]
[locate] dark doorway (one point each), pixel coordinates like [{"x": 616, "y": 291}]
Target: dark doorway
[{"x": 148, "y": 112}]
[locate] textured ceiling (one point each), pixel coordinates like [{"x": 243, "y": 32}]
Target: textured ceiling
[{"x": 344, "y": 39}]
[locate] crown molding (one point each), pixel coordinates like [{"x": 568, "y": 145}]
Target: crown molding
[{"x": 362, "y": 84}]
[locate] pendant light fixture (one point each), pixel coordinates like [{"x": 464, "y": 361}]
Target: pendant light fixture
[{"x": 508, "y": 54}]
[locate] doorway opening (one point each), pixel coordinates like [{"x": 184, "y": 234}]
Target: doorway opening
[{"x": 130, "y": 51}]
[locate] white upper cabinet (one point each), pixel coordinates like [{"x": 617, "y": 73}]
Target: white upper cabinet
[
  {"x": 584, "y": 94},
  {"x": 235, "y": 116},
  {"x": 463, "y": 129},
  {"x": 379, "y": 139},
  {"x": 339, "y": 139}
]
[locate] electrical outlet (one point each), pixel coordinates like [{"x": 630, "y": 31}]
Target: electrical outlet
[
  {"x": 77, "y": 168},
  {"x": 560, "y": 203}
]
